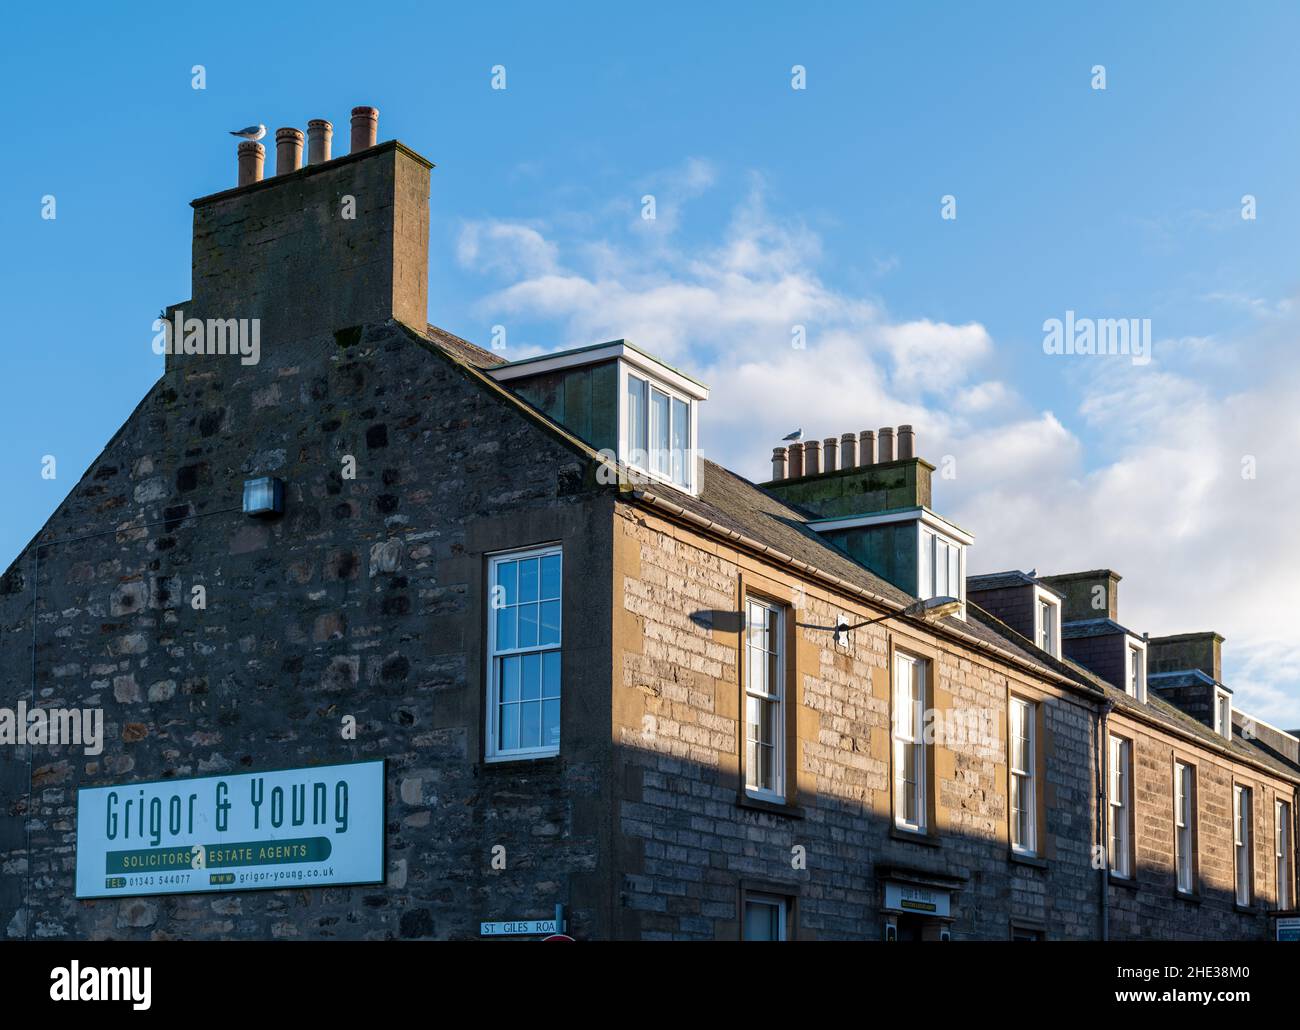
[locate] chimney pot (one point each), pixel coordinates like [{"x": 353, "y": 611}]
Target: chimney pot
[
  {"x": 867, "y": 447},
  {"x": 288, "y": 150},
  {"x": 831, "y": 447},
  {"x": 848, "y": 451},
  {"x": 885, "y": 444},
  {"x": 906, "y": 442},
  {"x": 251, "y": 158},
  {"x": 319, "y": 134},
  {"x": 778, "y": 463},
  {"x": 812, "y": 458},
  {"x": 796, "y": 460},
  {"x": 365, "y": 127}
]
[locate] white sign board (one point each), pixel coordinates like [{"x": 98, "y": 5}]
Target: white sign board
[
  {"x": 904, "y": 897},
  {"x": 520, "y": 927}
]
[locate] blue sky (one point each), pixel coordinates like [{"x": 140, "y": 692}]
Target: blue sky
[{"x": 775, "y": 207}]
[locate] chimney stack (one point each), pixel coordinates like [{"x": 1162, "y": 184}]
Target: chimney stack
[
  {"x": 275, "y": 254},
  {"x": 251, "y": 158},
  {"x": 906, "y": 443},
  {"x": 288, "y": 150},
  {"x": 796, "y": 460},
  {"x": 848, "y": 451},
  {"x": 778, "y": 463},
  {"x": 812, "y": 458},
  {"x": 867, "y": 447},
  {"x": 319, "y": 134},
  {"x": 365, "y": 128},
  {"x": 885, "y": 444}
]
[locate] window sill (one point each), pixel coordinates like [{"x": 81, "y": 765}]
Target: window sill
[
  {"x": 1126, "y": 882},
  {"x": 913, "y": 837},
  {"x": 744, "y": 800},
  {"x": 1246, "y": 910},
  {"x": 1030, "y": 860},
  {"x": 540, "y": 763},
  {"x": 1190, "y": 897}
]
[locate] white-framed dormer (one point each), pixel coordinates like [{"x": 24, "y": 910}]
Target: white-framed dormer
[
  {"x": 671, "y": 414},
  {"x": 1135, "y": 667},
  {"x": 659, "y": 422},
  {"x": 941, "y": 562},
  {"x": 934, "y": 535},
  {"x": 1223, "y": 713},
  {"x": 1047, "y": 620}
]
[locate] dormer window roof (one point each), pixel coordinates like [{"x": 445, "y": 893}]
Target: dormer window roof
[{"x": 620, "y": 400}]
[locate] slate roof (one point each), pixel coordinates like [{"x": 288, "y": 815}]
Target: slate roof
[
  {"x": 1093, "y": 628},
  {"x": 1002, "y": 580},
  {"x": 1185, "y": 678}
]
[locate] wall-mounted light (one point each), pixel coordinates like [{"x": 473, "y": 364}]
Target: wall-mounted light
[
  {"x": 930, "y": 609},
  {"x": 264, "y": 497}
]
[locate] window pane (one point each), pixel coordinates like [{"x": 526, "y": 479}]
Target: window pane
[
  {"x": 954, "y": 574},
  {"x": 509, "y": 679},
  {"x": 530, "y": 687},
  {"x": 507, "y": 575},
  {"x": 530, "y": 724},
  {"x": 550, "y": 631},
  {"x": 528, "y": 579},
  {"x": 509, "y": 728},
  {"x": 527, "y": 625},
  {"x": 506, "y": 618},
  {"x": 681, "y": 439},
  {"x": 659, "y": 433},
  {"x": 551, "y": 577},
  {"x": 551, "y": 723},
  {"x": 637, "y": 428},
  {"x": 551, "y": 674}
]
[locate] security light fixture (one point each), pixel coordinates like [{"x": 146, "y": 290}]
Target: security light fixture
[
  {"x": 264, "y": 497},
  {"x": 929, "y": 609}
]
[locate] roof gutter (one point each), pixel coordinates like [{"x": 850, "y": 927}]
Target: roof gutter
[{"x": 750, "y": 544}]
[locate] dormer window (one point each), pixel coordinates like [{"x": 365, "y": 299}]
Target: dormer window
[
  {"x": 1047, "y": 622},
  {"x": 1223, "y": 713},
  {"x": 658, "y": 431},
  {"x": 1135, "y": 684},
  {"x": 630, "y": 407},
  {"x": 942, "y": 566}
]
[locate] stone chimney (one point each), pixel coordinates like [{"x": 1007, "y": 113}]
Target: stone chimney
[
  {"x": 833, "y": 477},
  {"x": 328, "y": 247},
  {"x": 1088, "y": 595},
  {"x": 1184, "y": 651}
]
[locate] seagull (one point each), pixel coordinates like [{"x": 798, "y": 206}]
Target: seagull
[
  {"x": 253, "y": 132},
  {"x": 796, "y": 436}
]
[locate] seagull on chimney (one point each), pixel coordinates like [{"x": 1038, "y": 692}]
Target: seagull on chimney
[
  {"x": 794, "y": 437},
  {"x": 253, "y": 132}
]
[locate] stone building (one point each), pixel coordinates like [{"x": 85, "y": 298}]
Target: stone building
[{"x": 602, "y": 672}]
